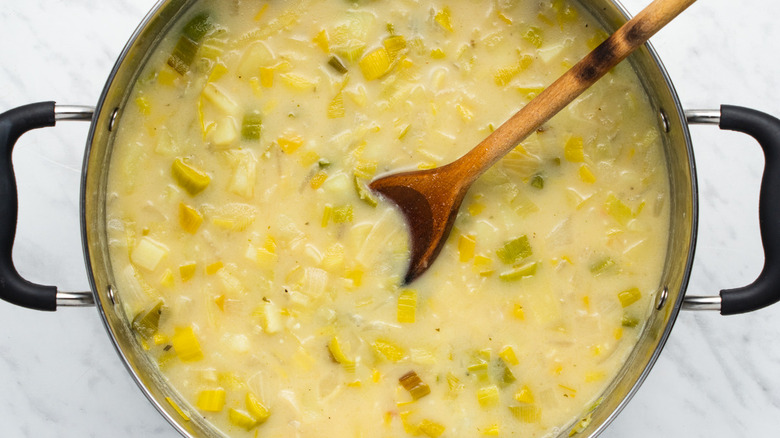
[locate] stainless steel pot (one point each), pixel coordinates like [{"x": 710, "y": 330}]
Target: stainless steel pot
[{"x": 670, "y": 298}]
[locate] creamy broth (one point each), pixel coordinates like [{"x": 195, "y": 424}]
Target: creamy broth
[{"x": 264, "y": 278}]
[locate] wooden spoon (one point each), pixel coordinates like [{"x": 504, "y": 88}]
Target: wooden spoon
[{"x": 430, "y": 199}]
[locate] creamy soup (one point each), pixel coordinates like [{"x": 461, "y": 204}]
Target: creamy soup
[{"x": 263, "y": 277}]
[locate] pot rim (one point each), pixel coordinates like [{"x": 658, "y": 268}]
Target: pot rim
[{"x": 106, "y": 298}]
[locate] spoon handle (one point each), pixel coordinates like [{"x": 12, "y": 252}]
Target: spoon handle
[{"x": 577, "y": 79}]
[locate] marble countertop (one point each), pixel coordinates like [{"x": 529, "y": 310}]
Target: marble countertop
[{"x": 60, "y": 377}]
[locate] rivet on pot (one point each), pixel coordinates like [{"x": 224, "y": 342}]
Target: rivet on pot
[
  {"x": 664, "y": 120},
  {"x": 110, "y": 293},
  {"x": 113, "y": 119},
  {"x": 662, "y": 297}
]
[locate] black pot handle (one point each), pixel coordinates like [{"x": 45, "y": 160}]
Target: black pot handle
[
  {"x": 765, "y": 290},
  {"x": 14, "y": 288}
]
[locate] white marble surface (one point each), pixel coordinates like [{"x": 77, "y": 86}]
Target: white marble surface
[{"x": 60, "y": 377}]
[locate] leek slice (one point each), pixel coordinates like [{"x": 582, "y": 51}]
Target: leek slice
[
  {"x": 416, "y": 387},
  {"x": 337, "y": 65},
  {"x": 252, "y": 126},
  {"x": 211, "y": 400},
  {"x": 147, "y": 322},
  {"x": 188, "y": 177},
  {"x": 514, "y": 250}
]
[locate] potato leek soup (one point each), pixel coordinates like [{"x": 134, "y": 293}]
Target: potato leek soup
[{"x": 263, "y": 278}]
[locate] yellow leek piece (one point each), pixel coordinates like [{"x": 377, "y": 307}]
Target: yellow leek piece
[
  {"x": 581, "y": 425},
  {"x": 188, "y": 177},
  {"x": 214, "y": 267},
  {"x": 388, "y": 350},
  {"x": 290, "y": 142},
  {"x": 318, "y": 179},
  {"x": 618, "y": 210},
  {"x": 189, "y": 218},
  {"x": 534, "y": 36},
  {"x": 504, "y": 18},
  {"x": 326, "y": 215},
  {"x": 256, "y": 408},
  {"x": 297, "y": 82},
  {"x": 338, "y": 355},
  {"x": 267, "y": 77},
  {"x": 321, "y": 40},
  {"x": 466, "y": 245},
  {"x": 186, "y": 344},
  {"x": 508, "y": 354},
  {"x": 343, "y": 214},
  {"x": 261, "y": 12},
  {"x": 336, "y": 108},
  {"x": 407, "y": 306},
  {"x": 187, "y": 270},
  {"x": 375, "y": 64},
  {"x": 444, "y": 19},
  {"x": 594, "y": 376},
  {"x": 356, "y": 276},
  {"x": 493, "y": 429},
  {"x": 527, "y": 413},
  {"x": 167, "y": 279},
  {"x": 394, "y": 45},
  {"x": 241, "y": 419},
  {"x": 438, "y": 54},
  {"x": 220, "y": 302},
  {"x": 573, "y": 150},
  {"x": 148, "y": 253},
  {"x": 160, "y": 339},
  {"x": 518, "y": 312},
  {"x": 167, "y": 76},
  {"x": 629, "y": 296},
  {"x": 483, "y": 265},
  {"x": 211, "y": 400},
  {"x": 144, "y": 107},
  {"x": 487, "y": 396},
  {"x": 519, "y": 272},
  {"x": 178, "y": 410},
  {"x": 524, "y": 395},
  {"x": 431, "y": 428},
  {"x": 476, "y": 208},
  {"x": 465, "y": 112},
  {"x": 586, "y": 175}
]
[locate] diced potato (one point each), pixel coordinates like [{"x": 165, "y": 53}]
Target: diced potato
[
  {"x": 148, "y": 253},
  {"x": 225, "y": 132}
]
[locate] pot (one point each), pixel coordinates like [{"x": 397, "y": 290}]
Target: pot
[{"x": 681, "y": 241}]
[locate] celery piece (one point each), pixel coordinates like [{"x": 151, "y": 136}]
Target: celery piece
[
  {"x": 188, "y": 177},
  {"x": 514, "y": 250},
  {"x": 537, "y": 181},
  {"x": 241, "y": 419},
  {"x": 211, "y": 400},
  {"x": 527, "y": 413},
  {"x": 407, "y": 306},
  {"x": 337, "y": 65},
  {"x": 363, "y": 192},
  {"x": 198, "y": 27},
  {"x": 147, "y": 322},
  {"x": 252, "y": 126},
  {"x": 629, "y": 296},
  {"x": 416, "y": 387},
  {"x": 602, "y": 266}
]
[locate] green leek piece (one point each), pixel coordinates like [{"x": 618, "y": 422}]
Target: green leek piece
[
  {"x": 629, "y": 321},
  {"x": 537, "y": 182},
  {"x": 514, "y": 250},
  {"x": 323, "y": 163},
  {"x": 190, "y": 178},
  {"x": 527, "y": 413},
  {"x": 147, "y": 322},
  {"x": 198, "y": 27},
  {"x": 363, "y": 192},
  {"x": 602, "y": 266},
  {"x": 252, "y": 126},
  {"x": 501, "y": 373},
  {"x": 337, "y": 65},
  {"x": 526, "y": 270},
  {"x": 183, "y": 55},
  {"x": 416, "y": 387}
]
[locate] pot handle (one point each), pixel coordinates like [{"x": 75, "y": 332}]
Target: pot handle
[
  {"x": 14, "y": 288},
  {"x": 765, "y": 290}
]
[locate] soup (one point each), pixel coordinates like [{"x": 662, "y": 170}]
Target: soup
[{"x": 263, "y": 277}]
